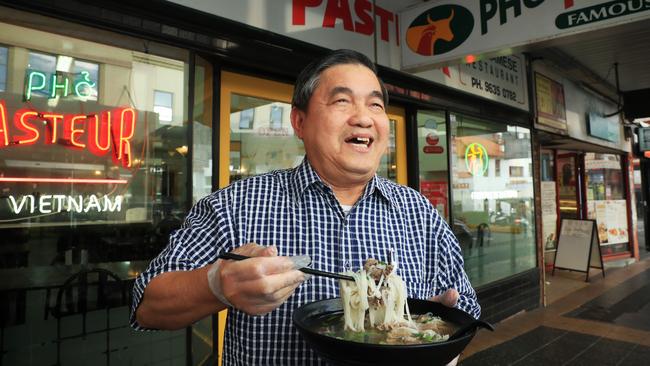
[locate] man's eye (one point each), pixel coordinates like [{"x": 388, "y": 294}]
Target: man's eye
[
  {"x": 377, "y": 106},
  {"x": 341, "y": 101}
]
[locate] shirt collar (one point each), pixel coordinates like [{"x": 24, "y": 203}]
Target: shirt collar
[{"x": 304, "y": 175}]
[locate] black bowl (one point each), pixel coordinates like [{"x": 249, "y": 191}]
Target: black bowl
[{"x": 343, "y": 352}]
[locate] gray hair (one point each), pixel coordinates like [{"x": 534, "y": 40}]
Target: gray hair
[{"x": 309, "y": 77}]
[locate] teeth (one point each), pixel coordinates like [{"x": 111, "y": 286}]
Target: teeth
[{"x": 360, "y": 140}]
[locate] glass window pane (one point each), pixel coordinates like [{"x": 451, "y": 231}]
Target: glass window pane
[
  {"x": 76, "y": 192},
  {"x": 42, "y": 62},
  {"x": 163, "y": 99},
  {"x": 388, "y": 163},
  {"x": 606, "y": 200},
  {"x": 45, "y": 65},
  {"x": 202, "y": 178},
  {"x": 3, "y": 55},
  {"x": 163, "y": 105},
  {"x": 3, "y": 68},
  {"x": 496, "y": 212},
  {"x": 202, "y": 162},
  {"x": 86, "y": 79},
  {"x": 259, "y": 144},
  {"x": 433, "y": 164},
  {"x": 3, "y": 77}
]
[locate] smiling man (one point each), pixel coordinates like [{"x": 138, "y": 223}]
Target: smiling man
[{"x": 332, "y": 212}]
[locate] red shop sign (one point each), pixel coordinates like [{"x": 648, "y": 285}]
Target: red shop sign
[{"x": 99, "y": 133}]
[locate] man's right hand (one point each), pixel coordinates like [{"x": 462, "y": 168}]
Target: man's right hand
[{"x": 257, "y": 285}]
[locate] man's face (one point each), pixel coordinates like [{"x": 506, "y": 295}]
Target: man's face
[{"x": 345, "y": 127}]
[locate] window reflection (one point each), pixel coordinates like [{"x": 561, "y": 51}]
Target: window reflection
[
  {"x": 3, "y": 68},
  {"x": 388, "y": 163},
  {"x": 261, "y": 136},
  {"x": 432, "y": 158},
  {"x": 492, "y": 186},
  {"x": 92, "y": 175}
]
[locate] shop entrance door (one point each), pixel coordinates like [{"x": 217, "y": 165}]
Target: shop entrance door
[{"x": 568, "y": 183}]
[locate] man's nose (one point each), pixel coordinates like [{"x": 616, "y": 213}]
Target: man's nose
[{"x": 361, "y": 117}]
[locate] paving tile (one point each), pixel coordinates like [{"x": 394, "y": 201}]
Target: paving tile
[
  {"x": 639, "y": 357},
  {"x": 557, "y": 352},
  {"x": 545, "y": 346},
  {"x": 517, "y": 348},
  {"x": 628, "y": 304},
  {"x": 603, "y": 352},
  {"x": 629, "y": 298}
]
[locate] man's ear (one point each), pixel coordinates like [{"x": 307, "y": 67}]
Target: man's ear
[{"x": 297, "y": 121}]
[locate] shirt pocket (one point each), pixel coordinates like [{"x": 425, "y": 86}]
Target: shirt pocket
[{"x": 417, "y": 283}]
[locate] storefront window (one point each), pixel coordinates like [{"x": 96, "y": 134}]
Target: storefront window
[
  {"x": 3, "y": 68},
  {"x": 433, "y": 164},
  {"x": 495, "y": 212},
  {"x": 92, "y": 175},
  {"x": 606, "y": 201}
]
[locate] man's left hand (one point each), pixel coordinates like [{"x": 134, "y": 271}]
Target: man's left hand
[{"x": 448, "y": 298}]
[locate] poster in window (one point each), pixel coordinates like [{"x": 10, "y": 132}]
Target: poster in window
[
  {"x": 611, "y": 219},
  {"x": 549, "y": 214},
  {"x": 551, "y": 108},
  {"x": 436, "y": 193}
]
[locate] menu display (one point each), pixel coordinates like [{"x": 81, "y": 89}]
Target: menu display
[
  {"x": 611, "y": 219},
  {"x": 549, "y": 214}
]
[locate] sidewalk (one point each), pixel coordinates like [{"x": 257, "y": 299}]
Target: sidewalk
[{"x": 603, "y": 322}]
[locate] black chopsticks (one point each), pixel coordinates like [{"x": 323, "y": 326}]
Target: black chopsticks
[{"x": 315, "y": 272}]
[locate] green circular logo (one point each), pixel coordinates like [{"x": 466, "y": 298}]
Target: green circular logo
[
  {"x": 476, "y": 159},
  {"x": 439, "y": 30}
]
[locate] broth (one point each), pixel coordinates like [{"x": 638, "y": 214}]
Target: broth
[{"x": 430, "y": 329}]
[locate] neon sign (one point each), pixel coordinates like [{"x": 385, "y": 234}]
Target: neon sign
[
  {"x": 37, "y": 80},
  {"x": 63, "y": 180},
  {"x": 476, "y": 159},
  {"x": 110, "y": 130},
  {"x": 48, "y": 203}
]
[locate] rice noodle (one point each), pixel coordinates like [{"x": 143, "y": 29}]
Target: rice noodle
[{"x": 387, "y": 305}]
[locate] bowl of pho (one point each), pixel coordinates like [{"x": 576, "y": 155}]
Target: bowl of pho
[{"x": 374, "y": 323}]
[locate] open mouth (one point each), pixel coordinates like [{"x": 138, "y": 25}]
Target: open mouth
[{"x": 363, "y": 141}]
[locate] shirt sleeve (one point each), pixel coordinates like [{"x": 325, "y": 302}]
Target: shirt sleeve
[
  {"x": 450, "y": 270},
  {"x": 207, "y": 230}
]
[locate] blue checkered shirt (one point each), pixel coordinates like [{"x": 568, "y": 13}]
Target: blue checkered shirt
[{"x": 297, "y": 212}]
